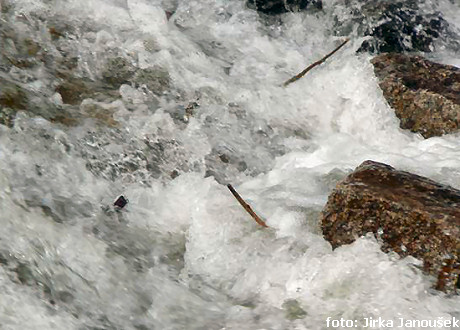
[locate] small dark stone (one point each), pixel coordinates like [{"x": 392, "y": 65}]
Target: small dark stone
[
  {"x": 174, "y": 174},
  {"x": 168, "y": 14},
  {"x": 242, "y": 166},
  {"x": 121, "y": 202},
  {"x": 224, "y": 158}
]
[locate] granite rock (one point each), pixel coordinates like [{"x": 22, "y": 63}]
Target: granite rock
[
  {"x": 410, "y": 214},
  {"x": 275, "y": 7},
  {"x": 425, "y": 95},
  {"x": 394, "y": 25}
]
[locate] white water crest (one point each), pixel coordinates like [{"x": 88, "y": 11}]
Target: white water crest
[{"x": 183, "y": 254}]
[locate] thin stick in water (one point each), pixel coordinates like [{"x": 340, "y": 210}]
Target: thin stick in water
[
  {"x": 246, "y": 206},
  {"x": 311, "y": 66}
]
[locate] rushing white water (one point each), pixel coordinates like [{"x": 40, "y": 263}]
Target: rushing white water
[{"x": 183, "y": 254}]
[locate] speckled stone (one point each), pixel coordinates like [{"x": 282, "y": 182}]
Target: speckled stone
[
  {"x": 412, "y": 215},
  {"x": 425, "y": 95},
  {"x": 275, "y": 7}
]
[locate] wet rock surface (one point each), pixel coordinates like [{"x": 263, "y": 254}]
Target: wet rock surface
[
  {"x": 12, "y": 95},
  {"x": 274, "y": 7},
  {"x": 155, "y": 79},
  {"x": 41, "y": 64},
  {"x": 16, "y": 97},
  {"x": 394, "y": 26},
  {"x": 117, "y": 71},
  {"x": 73, "y": 91},
  {"x": 410, "y": 214},
  {"x": 424, "y": 94}
]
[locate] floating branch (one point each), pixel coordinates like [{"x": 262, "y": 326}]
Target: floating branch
[
  {"x": 246, "y": 206},
  {"x": 311, "y": 66}
]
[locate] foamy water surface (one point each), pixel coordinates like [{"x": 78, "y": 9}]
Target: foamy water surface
[{"x": 183, "y": 254}]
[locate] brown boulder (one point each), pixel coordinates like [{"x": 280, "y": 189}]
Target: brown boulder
[
  {"x": 412, "y": 215},
  {"x": 425, "y": 95}
]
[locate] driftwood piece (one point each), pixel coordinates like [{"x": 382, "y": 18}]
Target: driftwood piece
[
  {"x": 246, "y": 206},
  {"x": 311, "y": 66}
]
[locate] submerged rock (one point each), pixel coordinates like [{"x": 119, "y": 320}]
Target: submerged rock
[
  {"x": 101, "y": 112},
  {"x": 424, "y": 94},
  {"x": 12, "y": 95},
  {"x": 410, "y": 214},
  {"x": 7, "y": 116},
  {"x": 73, "y": 90},
  {"x": 394, "y": 25},
  {"x": 58, "y": 27},
  {"x": 156, "y": 79},
  {"x": 16, "y": 97},
  {"x": 117, "y": 71},
  {"x": 274, "y": 7},
  {"x": 293, "y": 310},
  {"x": 18, "y": 47}
]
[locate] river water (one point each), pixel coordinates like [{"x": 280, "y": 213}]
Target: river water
[{"x": 183, "y": 254}]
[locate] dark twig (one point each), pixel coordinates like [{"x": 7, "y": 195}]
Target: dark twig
[
  {"x": 246, "y": 206},
  {"x": 311, "y": 66}
]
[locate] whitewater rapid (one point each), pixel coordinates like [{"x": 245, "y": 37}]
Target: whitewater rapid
[{"x": 183, "y": 254}]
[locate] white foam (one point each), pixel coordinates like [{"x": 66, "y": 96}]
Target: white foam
[{"x": 183, "y": 253}]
